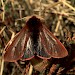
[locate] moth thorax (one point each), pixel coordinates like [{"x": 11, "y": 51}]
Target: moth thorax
[{"x": 34, "y": 24}]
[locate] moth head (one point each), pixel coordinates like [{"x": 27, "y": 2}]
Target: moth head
[{"x": 34, "y": 22}]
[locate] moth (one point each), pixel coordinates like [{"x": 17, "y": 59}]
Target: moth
[{"x": 34, "y": 40}]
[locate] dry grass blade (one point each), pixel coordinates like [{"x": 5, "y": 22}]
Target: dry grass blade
[
  {"x": 3, "y": 14},
  {"x": 19, "y": 66},
  {"x": 71, "y": 19},
  {"x": 71, "y": 7},
  {"x": 30, "y": 70},
  {"x": 2, "y": 66},
  {"x": 58, "y": 23},
  {"x": 51, "y": 6},
  {"x": 13, "y": 33},
  {"x": 2, "y": 30}
]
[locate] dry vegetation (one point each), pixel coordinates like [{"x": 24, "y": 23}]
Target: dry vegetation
[{"x": 59, "y": 16}]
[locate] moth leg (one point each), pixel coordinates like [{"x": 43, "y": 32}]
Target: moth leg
[{"x": 18, "y": 66}]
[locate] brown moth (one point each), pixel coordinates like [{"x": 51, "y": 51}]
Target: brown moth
[{"x": 34, "y": 39}]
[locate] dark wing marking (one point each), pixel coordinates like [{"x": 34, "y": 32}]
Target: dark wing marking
[
  {"x": 50, "y": 46},
  {"x": 16, "y": 46}
]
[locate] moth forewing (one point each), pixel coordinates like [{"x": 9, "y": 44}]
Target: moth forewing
[
  {"x": 15, "y": 47},
  {"x": 58, "y": 50}
]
